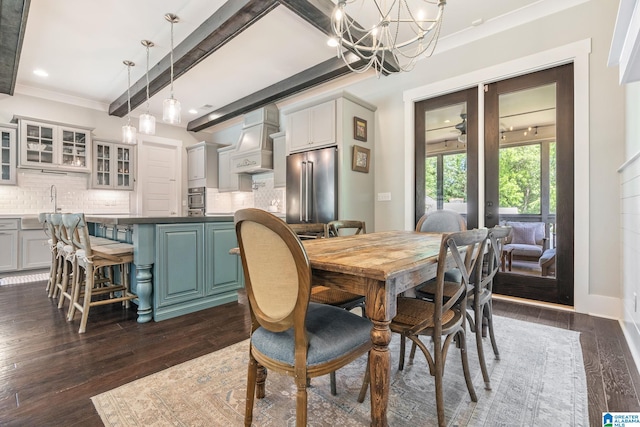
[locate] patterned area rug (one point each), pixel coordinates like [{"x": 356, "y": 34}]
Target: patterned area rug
[
  {"x": 27, "y": 278},
  {"x": 539, "y": 380}
]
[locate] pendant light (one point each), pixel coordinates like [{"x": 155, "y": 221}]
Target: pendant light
[
  {"x": 128, "y": 131},
  {"x": 147, "y": 123},
  {"x": 171, "y": 106}
]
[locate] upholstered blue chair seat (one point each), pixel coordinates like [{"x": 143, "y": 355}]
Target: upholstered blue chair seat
[
  {"x": 524, "y": 250},
  {"x": 332, "y": 333}
]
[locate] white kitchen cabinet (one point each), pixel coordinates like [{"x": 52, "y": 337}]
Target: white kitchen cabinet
[
  {"x": 228, "y": 181},
  {"x": 113, "y": 165},
  {"x": 202, "y": 160},
  {"x": 45, "y": 145},
  {"x": 312, "y": 127},
  {"x": 279, "y": 160},
  {"x": 8, "y": 244},
  {"x": 35, "y": 251},
  {"x": 7, "y": 154}
]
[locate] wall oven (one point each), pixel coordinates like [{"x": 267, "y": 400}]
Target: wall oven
[{"x": 197, "y": 201}]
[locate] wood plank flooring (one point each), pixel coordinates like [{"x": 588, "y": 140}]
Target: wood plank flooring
[{"x": 48, "y": 371}]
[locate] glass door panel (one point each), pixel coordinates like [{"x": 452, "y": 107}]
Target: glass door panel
[{"x": 446, "y": 155}]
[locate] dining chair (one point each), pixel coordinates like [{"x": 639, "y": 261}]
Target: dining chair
[
  {"x": 441, "y": 221},
  {"x": 64, "y": 260},
  {"x": 443, "y": 319},
  {"x": 45, "y": 219},
  {"x": 479, "y": 299},
  {"x": 90, "y": 286},
  {"x": 337, "y": 297},
  {"x": 290, "y": 334}
]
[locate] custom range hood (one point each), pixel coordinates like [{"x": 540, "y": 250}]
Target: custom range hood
[{"x": 254, "y": 151}]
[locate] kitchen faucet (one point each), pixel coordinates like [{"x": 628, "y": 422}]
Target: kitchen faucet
[{"x": 53, "y": 192}]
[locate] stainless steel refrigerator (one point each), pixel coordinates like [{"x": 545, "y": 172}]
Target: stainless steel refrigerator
[{"x": 312, "y": 186}]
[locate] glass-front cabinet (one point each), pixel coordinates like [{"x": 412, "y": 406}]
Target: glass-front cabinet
[
  {"x": 7, "y": 154},
  {"x": 113, "y": 166},
  {"x": 54, "y": 146}
]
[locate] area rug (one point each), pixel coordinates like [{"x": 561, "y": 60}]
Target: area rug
[
  {"x": 538, "y": 381},
  {"x": 26, "y": 278}
]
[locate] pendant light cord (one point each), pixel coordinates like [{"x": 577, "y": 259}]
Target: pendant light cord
[
  {"x": 147, "y": 78},
  {"x": 128, "y": 94},
  {"x": 171, "y": 59}
]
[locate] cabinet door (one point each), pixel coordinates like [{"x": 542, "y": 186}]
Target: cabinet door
[
  {"x": 322, "y": 124},
  {"x": 279, "y": 162},
  {"x": 35, "y": 249},
  {"x": 7, "y": 156},
  {"x": 298, "y": 130},
  {"x": 179, "y": 268},
  {"x": 9, "y": 250},
  {"x": 224, "y": 171},
  {"x": 37, "y": 146},
  {"x": 196, "y": 163},
  {"x": 222, "y": 268},
  {"x": 124, "y": 167},
  {"x": 75, "y": 148},
  {"x": 103, "y": 160}
]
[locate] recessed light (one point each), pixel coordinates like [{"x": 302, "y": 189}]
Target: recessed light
[
  {"x": 332, "y": 42},
  {"x": 447, "y": 121},
  {"x": 40, "y": 72},
  {"x": 193, "y": 111}
]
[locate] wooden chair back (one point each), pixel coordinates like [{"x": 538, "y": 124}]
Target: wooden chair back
[
  {"x": 441, "y": 221},
  {"x": 277, "y": 273},
  {"x": 351, "y": 227},
  {"x": 495, "y": 242},
  {"x": 310, "y": 230}
]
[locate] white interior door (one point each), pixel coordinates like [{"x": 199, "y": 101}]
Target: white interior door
[{"x": 159, "y": 174}]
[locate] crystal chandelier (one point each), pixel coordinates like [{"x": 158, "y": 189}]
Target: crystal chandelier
[
  {"x": 171, "y": 106},
  {"x": 398, "y": 37},
  {"x": 147, "y": 123},
  {"x": 128, "y": 131}
]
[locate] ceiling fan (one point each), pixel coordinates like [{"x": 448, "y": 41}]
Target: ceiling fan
[{"x": 462, "y": 128}]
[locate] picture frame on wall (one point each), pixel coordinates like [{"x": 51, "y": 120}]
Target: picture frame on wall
[
  {"x": 359, "y": 129},
  {"x": 361, "y": 159}
]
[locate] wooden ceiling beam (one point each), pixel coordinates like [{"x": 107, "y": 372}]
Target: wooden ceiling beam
[
  {"x": 13, "y": 22},
  {"x": 314, "y": 76},
  {"x": 228, "y": 21}
]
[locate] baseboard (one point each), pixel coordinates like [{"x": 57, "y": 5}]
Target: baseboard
[
  {"x": 632, "y": 336},
  {"x": 533, "y": 302}
]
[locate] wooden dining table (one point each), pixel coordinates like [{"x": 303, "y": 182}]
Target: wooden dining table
[{"x": 379, "y": 266}]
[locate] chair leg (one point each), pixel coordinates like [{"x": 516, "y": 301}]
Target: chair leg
[
  {"x": 332, "y": 380},
  {"x": 365, "y": 383},
  {"x": 64, "y": 283},
  {"x": 251, "y": 390},
  {"x": 483, "y": 365},
  {"x": 465, "y": 366},
  {"x": 489, "y": 315},
  {"x": 86, "y": 301},
  {"x": 301, "y": 403}
]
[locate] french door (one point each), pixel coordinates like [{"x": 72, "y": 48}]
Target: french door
[{"x": 528, "y": 172}]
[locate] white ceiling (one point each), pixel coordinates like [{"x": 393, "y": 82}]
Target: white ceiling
[{"x": 82, "y": 43}]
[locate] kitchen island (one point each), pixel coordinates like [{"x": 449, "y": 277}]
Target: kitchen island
[{"x": 181, "y": 264}]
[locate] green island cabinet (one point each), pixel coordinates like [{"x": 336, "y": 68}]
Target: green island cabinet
[{"x": 194, "y": 269}]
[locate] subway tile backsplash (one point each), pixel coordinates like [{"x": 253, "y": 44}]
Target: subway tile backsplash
[
  {"x": 264, "y": 196},
  {"x": 33, "y": 195}
]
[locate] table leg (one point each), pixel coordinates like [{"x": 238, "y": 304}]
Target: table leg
[
  {"x": 510, "y": 260},
  {"x": 503, "y": 260},
  {"x": 378, "y": 312}
]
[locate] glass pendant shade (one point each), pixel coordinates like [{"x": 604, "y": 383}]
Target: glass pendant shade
[
  {"x": 147, "y": 124},
  {"x": 128, "y": 134},
  {"x": 171, "y": 111}
]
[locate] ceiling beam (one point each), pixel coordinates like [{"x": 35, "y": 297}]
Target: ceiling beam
[
  {"x": 228, "y": 21},
  {"x": 318, "y": 13},
  {"x": 314, "y": 76},
  {"x": 13, "y": 21}
]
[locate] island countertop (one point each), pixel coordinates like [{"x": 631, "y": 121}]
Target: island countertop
[{"x": 141, "y": 219}]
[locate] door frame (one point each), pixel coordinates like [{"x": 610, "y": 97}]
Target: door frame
[
  {"x": 576, "y": 52},
  {"x": 557, "y": 289},
  {"x": 141, "y": 169}
]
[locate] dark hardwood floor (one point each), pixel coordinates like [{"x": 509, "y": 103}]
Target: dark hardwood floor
[{"x": 48, "y": 372}]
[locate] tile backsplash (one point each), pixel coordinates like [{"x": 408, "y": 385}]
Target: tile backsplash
[
  {"x": 33, "y": 195},
  {"x": 264, "y": 196}
]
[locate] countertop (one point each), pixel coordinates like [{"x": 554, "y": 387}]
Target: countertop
[{"x": 139, "y": 219}]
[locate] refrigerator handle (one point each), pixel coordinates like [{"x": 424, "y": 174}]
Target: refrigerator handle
[
  {"x": 309, "y": 188},
  {"x": 302, "y": 171}
]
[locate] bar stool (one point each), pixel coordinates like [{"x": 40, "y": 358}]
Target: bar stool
[
  {"x": 88, "y": 290},
  {"x": 45, "y": 219},
  {"x": 64, "y": 252}
]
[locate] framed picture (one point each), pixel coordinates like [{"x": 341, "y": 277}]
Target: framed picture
[
  {"x": 359, "y": 129},
  {"x": 361, "y": 159}
]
